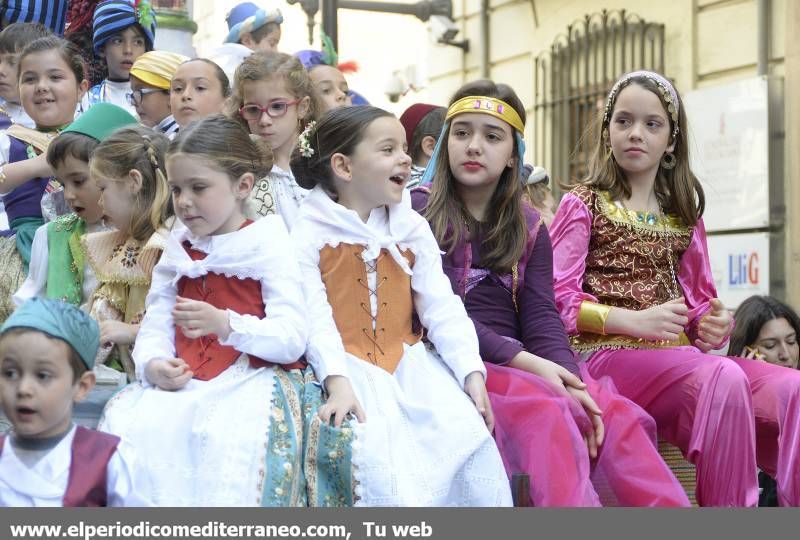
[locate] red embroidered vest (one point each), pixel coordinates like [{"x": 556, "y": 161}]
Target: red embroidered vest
[
  {"x": 206, "y": 357},
  {"x": 91, "y": 452}
]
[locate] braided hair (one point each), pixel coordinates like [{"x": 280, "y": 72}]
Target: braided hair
[{"x": 138, "y": 148}]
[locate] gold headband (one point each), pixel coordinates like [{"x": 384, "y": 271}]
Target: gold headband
[{"x": 487, "y": 105}]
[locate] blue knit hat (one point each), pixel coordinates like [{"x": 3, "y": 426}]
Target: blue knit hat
[
  {"x": 248, "y": 17},
  {"x": 113, "y": 16},
  {"x": 59, "y": 320}
]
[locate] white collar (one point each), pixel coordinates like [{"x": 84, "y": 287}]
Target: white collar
[
  {"x": 249, "y": 252},
  {"x": 38, "y": 481},
  {"x": 387, "y": 227}
]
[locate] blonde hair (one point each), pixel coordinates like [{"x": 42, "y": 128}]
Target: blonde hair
[
  {"x": 137, "y": 148},
  {"x": 262, "y": 66}
]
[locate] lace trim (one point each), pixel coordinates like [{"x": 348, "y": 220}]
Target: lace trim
[
  {"x": 357, "y": 460},
  {"x": 114, "y": 258},
  {"x": 334, "y": 243}
]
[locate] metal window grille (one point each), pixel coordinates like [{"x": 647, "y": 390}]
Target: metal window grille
[{"x": 572, "y": 78}]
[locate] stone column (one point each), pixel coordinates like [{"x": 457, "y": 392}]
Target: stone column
[
  {"x": 792, "y": 159},
  {"x": 175, "y": 26}
]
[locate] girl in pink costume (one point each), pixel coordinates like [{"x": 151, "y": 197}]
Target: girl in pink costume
[
  {"x": 499, "y": 260},
  {"x": 634, "y": 287}
]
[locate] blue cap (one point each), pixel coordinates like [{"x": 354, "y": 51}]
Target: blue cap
[
  {"x": 59, "y": 320},
  {"x": 248, "y": 17}
]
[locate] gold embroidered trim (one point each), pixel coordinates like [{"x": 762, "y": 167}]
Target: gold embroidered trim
[
  {"x": 589, "y": 342},
  {"x": 38, "y": 139},
  {"x": 115, "y": 258},
  {"x": 670, "y": 225}
]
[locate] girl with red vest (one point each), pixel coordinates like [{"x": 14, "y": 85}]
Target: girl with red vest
[{"x": 218, "y": 348}]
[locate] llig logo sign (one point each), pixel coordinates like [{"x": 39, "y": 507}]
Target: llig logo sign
[{"x": 743, "y": 270}]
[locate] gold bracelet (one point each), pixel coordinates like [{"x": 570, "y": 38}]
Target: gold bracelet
[
  {"x": 2, "y": 174},
  {"x": 592, "y": 317}
]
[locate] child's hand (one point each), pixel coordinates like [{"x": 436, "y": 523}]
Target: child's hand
[
  {"x": 168, "y": 374},
  {"x": 593, "y": 439},
  {"x": 557, "y": 375},
  {"x": 475, "y": 387},
  {"x": 197, "y": 319},
  {"x": 117, "y": 332},
  {"x": 570, "y": 384},
  {"x": 714, "y": 327},
  {"x": 341, "y": 401},
  {"x": 662, "y": 322}
]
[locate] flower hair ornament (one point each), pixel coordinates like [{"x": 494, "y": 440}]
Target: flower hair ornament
[
  {"x": 304, "y": 140},
  {"x": 668, "y": 95}
]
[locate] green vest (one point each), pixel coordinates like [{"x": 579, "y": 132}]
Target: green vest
[{"x": 65, "y": 259}]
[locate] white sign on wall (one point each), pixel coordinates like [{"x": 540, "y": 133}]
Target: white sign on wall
[
  {"x": 728, "y": 147},
  {"x": 740, "y": 266}
]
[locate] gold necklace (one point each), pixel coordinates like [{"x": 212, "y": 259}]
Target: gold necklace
[{"x": 651, "y": 219}]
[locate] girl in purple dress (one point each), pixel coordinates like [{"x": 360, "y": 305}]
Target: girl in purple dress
[
  {"x": 51, "y": 83},
  {"x": 578, "y": 440}
]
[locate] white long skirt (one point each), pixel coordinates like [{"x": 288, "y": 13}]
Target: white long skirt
[
  {"x": 424, "y": 442},
  {"x": 203, "y": 445}
]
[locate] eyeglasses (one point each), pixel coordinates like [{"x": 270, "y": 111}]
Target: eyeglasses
[
  {"x": 275, "y": 109},
  {"x": 138, "y": 95}
]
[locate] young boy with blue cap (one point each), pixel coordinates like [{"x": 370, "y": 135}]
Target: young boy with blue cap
[
  {"x": 47, "y": 351},
  {"x": 123, "y": 30},
  {"x": 256, "y": 28}
]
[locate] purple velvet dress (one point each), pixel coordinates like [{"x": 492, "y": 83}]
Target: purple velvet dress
[{"x": 516, "y": 312}]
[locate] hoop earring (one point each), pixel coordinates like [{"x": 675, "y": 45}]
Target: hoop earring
[
  {"x": 668, "y": 161},
  {"x": 609, "y": 153}
]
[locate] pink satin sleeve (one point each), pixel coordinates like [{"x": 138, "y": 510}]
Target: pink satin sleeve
[
  {"x": 694, "y": 276},
  {"x": 569, "y": 233}
]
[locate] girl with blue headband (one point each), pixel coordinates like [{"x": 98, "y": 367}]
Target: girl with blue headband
[
  {"x": 498, "y": 258},
  {"x": 634, "y": 287}
]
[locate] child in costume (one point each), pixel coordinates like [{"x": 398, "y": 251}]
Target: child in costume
[
  {"x": 199, "y": 88},
  {"x": 423, "y": 124},
  {"x": 128, "y": 168},
  {"x": 151, "y": 77},
  {"x": 499, "y": 260},
  {"x": 635, "y": 291},
  {"x": 373, "y": 280},
  {"x": 220, "y": 343},
  {"x": 273, "y": 100},
  {"x": 327, "y": 76},
  {"x": 25, "y": 174},
  {"x": 255, "y": 28},
  {"x": 47, "y": 350},
  {"x": 123, "y": 31},
  {"x": 13, "y": 39},
  {"x": 59, "y": 266}
]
